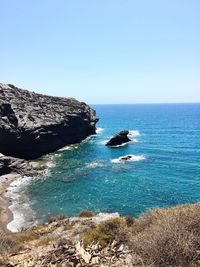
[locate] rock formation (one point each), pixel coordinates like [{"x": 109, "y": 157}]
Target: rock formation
[
  {"x": 33, "y": 124},
  {"x": 119, "y": 139}
]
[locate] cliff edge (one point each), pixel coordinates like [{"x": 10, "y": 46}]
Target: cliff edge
[{"x": 32, "y": 124}]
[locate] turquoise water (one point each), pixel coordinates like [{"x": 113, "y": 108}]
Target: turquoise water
[{"x": 166, "y": 139}]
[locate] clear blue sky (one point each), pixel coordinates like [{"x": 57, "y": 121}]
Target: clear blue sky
[{"x": 103, "y": 51}]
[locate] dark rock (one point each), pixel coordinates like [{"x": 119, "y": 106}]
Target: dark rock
[
  {"x": 119, "y": 139},
  {"x": 126, "y": 157},
  {"x": 10, "y": 164},
  {"x": 32, "y": 125}
]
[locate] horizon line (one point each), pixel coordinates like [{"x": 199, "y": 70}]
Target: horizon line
[{"x": 153, "y": 103}]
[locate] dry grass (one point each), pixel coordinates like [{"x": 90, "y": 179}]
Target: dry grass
[
  {"x": 58, "y": 218},
  {"x": 44, "y": 241},
  {"x": 86, "y": 214},
  {"x": 168, "y": 237},
  {"x": 106, "y": 232}
]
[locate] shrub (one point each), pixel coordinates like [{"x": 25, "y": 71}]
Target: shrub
[
  {"x": 168, "y": 237},
  {"x": 57, "y": 218},
  {"x": 44, "y": 241},
  {"x": 129, "y": 220},
  {"x": 105, "y": 232},
  {"x": 86, "y": 214},
  {"x": 8, "y": 244}
]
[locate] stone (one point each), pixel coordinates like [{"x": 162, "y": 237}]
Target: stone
[
  {"x": 119, "y": 139},
  {"x": 95, "y": 260},
  {"x": 84, "y": 254},
  {"x": 32, "y": 125}
]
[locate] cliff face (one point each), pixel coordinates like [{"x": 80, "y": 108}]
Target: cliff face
[{"x": 32, "y": 124}]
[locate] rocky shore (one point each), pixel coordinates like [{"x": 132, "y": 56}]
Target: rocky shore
[{"x": 32, "y": 125}]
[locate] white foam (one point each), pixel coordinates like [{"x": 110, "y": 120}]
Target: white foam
[
  {"x": 134, "y": 133},
  {"x": 134, "y": 140},
  {"x": 93, "y": 165},
  {"x": 69, "y": 147},
  {"x": 133, "y": 158},
  {"x": 99, "y": 130},
  {"x": 103, "y": 142},
  {"x": 23, "y": 216},
  {"x": 124, "y": 144}
]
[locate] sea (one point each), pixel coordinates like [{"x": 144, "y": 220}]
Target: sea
[{"x": 164, "y": 170}]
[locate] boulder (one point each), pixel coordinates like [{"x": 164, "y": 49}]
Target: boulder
[
  {"x": 119, "y": 139},
  {"x": 32, "y": 124},
  {"x": 10, "y": 164}
]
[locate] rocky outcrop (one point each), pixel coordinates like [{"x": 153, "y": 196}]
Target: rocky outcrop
[
  {"x": 33, "y": 124},
  {"x": 59, "y": 243},
  {"x": 22, "y": 167},
  {"x": 119, "y": 139},
  {"x": 10, "y": 164}
]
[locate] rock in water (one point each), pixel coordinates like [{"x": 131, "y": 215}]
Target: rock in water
[
  {"x": 32, "y": 125},
  {"x": 119, "y": 139}
]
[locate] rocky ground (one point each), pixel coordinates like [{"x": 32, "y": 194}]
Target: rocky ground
[
  {"x": 159, "y": 238},
  {"x": 60, "y": 243}
]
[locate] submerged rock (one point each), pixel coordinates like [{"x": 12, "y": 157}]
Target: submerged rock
[
  {"x": 128, "y": 157},
  {"x": 32, "y": 125},
  {"x": 119, "y": 139}
]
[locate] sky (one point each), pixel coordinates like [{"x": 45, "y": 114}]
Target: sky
[{"x": 103, "y": 51}]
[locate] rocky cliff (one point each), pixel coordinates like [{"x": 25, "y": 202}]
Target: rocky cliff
[{"x": 33, "y": 124}]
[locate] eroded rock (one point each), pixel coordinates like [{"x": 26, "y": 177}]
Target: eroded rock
[
  {"x": 33, "y": 124},
  {"x": 119, "y": 139}
]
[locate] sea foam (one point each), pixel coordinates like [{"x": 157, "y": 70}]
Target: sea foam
[
  {"x": 23, "y": 215},
  {"x": 133, "y": 158},
  {"x": 134, "y": 133},
  {"x": 99, "y": 130},
  {"x": 93, "y": 165}
]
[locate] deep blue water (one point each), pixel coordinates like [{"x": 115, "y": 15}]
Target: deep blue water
[{"x": 166, "y": 173}]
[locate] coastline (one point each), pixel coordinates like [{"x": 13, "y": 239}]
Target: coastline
[
  {"x": 5, "y": 202},
  {"x": 39, "y": 167},
  {"x": 13, "y": 181}
]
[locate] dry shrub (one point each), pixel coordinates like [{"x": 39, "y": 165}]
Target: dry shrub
[
  {"x": 86, "y": 214},
  {"x": 44, "y": 241},
  {"x": 129, "y": 220},
  {"x": 57, "y": 218},
  {"x": 106, "y": 232},
  {"x": 8, "y": 244},
  {"x": 168, "y": 237}
]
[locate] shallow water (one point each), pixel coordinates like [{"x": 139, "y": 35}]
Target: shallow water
[{"x": 165, "y": 169}]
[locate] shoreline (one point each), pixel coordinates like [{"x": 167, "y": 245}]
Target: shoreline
[
  {"x": 5, "y": 202},
  {"x": 38, "y": 167}
]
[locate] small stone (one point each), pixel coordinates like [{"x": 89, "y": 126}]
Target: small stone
[
  {"x": 121, "y": 247},
  {"x": 95, "y": 260}
]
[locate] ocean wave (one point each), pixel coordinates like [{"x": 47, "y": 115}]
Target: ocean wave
[
  {"x": 93, "y": 165},
  {"x": 124, "y": 144},
  {"x": 134, "y": 140},
  {"x": 99, "y": 130},
  {"x": 103, "y": 142},
  {"x": 134, "y": 133},
  {"x": 132, "y": 158},
  {"x": 69, "y": 147},
  {"x": 23, "y": 215}
]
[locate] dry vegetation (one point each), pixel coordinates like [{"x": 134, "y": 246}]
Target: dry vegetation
[
  {"x": 168, "y": 237},
  {"x": 86, "y": 214},
  {"x": 106, "y": 232},
  {"x": 160, "y": 237}
]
